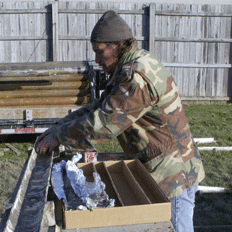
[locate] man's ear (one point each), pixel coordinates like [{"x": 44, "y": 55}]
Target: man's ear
[{"x": 121, "y": 45}]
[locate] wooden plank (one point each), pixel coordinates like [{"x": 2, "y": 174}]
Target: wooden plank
[
  {"x": 18, "y": 76},
  {"x": 55, "y": 30},
  {"x": 129, "y": 17},
  {"x": 158, "y": 34},
  {"x": 2, "y": 48},
  {"x": 28, "y": 47},
  {"x": 160, "y": 226},
  {"x": 202, "y": 98},
  {"x": 44, "y": 101},
  {"x": 152, "y": 23},
  {"x": 1, "y": 153},
  {"x": 43, "y": 85},
  {"x": 23, "y": 32},
  {"x": 209, "y": 78},
  {"x": 183, "y": 65},
  {"x": 54, "y": 67},
  {"x": 17, "y": 94},
  {"x": 224, "y": 79},
  {"x": 14, "y": 44},
  {"x": 189, "y": 14},
  {"x": 14, "y": 149},
  {"x": 55, "y": 111},
  {"x": 91, "y": 21},
  {"x": 202, "y": 91},
  {"x": 209, "y": 83},
  {"x": 185, "y": 83},
  {"x": 24, "y": 11},
  {"x": 101, "y": 11},
  {"x": 78, "y": 37},
  {"x": 6, "y": 31},
  {"x": 195, "y": 40},
  {"x": 180, "y": 79},
  {"x": 13, "y": 38},
  {"x": 164, "y": 33}
]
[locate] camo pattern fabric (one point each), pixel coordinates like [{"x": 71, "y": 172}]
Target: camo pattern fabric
[{"x": 141, "y": 106}]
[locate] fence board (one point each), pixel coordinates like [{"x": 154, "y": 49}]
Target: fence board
[
  {"x": 152, "y": 23},
  {"x": 202, "y": 41},
  {"x": 193, "y": 40},
  {"x": 55, "y": 31},
  {"x": 23, "y": 19}
]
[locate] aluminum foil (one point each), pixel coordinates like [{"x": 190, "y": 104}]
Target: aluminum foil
[{"x": 70, "y": 185}]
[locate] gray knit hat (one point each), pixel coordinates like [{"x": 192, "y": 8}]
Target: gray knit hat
[{"x": 110, "y": 28}]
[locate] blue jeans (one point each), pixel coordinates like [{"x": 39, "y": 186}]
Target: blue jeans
[{"x": 182, "y": 210}]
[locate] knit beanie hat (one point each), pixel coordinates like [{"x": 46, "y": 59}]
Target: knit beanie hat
[{"x": 110, "y": 28}]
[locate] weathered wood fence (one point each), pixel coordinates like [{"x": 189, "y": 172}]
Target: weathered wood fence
[{"x": 192, "y": 41}]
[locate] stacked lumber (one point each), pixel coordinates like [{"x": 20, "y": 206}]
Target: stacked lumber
[{"x": 44, "y": 84}]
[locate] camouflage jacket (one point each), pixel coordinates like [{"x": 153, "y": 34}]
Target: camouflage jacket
[{"x": 141, "y": 106}]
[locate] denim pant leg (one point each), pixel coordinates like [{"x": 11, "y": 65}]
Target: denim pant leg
[{"x": 182, "y": 210}]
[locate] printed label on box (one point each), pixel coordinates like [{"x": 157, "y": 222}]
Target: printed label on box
[{"x": 90, "y": 157}]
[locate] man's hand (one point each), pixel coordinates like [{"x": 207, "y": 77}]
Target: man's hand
[
  {"x": 47, "y": 143},
  {"x": 47, "y": 132}
]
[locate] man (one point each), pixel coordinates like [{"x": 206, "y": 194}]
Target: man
[{"x": 142, "y": 108}]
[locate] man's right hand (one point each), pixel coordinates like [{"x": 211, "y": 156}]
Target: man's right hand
[
  {"x": 47, "y": 132},
  {"x": 46, "y": 143}
]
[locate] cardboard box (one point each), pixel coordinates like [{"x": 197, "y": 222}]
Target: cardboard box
[{"x": 138, "y": 198}]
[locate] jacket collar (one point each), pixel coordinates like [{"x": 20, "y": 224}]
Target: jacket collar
[{"x": 130, "y": 54}]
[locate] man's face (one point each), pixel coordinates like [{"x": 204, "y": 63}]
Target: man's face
[{"x": 106, "y": 56}]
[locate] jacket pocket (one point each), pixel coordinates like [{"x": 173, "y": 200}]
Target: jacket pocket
[{"x": 152, "y": 164}]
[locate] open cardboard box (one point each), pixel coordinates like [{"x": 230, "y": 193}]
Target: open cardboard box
[{"x": 138, "y": 198}]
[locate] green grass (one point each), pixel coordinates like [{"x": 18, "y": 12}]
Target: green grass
[
  {"x": 211, "y": 121},
  {"x": 11, "y": 166},
  {"x": 217, "y": 165},
  {"x": 10, "y": 170},
  {"x": 22, "y": 147},
  {"x": 112, "y": 146}
]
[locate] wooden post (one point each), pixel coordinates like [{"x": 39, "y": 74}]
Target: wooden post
[
  {"x": 152, "y": 28},
  {"x": 55, "y": 31}
]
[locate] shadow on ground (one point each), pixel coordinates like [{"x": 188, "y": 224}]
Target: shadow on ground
[{"x": 213, "y": 212}]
